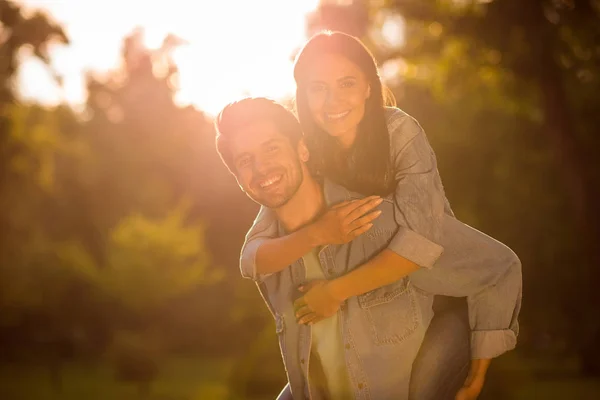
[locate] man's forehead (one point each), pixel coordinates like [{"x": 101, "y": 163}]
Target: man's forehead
[{"x": 255, "y": 134}]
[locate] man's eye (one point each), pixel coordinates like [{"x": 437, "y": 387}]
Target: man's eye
[
  {"x": 348, "y": 84},
  {"x": 272, "y": 149},
  {"x": 243, "y": 162}
]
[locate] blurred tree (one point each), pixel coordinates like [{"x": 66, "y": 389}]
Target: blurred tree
[
  {"x": 18, "y": 32},
  {"x": 150, "y": 157}
]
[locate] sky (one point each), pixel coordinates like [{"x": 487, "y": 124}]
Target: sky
[{"x": 235, "y": 48}]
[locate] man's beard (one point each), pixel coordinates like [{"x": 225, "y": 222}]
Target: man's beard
[{"x": 281, "y": 200}]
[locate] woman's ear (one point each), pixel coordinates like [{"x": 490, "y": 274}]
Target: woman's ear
[
  {"x": 303, "y": 152},
  {"x": 368, "y": 91}
]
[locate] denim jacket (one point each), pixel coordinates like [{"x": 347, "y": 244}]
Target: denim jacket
[{"x": 382, "y": 330}]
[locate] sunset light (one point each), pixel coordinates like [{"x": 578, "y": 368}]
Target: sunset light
[{"x": 235, "y": 48}]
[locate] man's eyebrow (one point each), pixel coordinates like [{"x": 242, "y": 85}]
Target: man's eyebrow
[
  {"x": 268, "y": 142},
  {"x": 271, "y": 141}
]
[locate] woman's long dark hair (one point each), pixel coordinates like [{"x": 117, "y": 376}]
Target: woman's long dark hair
[{"x": 366, "y": 167}]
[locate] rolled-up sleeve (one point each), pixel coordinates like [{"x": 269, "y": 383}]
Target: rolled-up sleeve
[
  {"x": 263, "y": 229},
  {"x": 419, "y": 198}
]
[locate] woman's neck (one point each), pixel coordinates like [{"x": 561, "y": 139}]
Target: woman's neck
[{"x": 346, "y": 140}]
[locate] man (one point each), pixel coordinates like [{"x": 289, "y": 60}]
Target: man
[{"x": 367, "y": 348}]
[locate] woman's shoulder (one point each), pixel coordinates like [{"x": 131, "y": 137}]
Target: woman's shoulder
[{"x": 402, "y": 127}]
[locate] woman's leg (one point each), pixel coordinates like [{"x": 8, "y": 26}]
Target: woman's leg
[{"x": 442, "y": 364}]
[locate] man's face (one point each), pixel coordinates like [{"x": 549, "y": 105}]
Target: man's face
[{"x": 267, "y": 167}]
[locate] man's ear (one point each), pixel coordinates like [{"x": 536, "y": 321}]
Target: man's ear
[
  {"x": 368, "y": 91},
  {"x": 303, "y": 152}
]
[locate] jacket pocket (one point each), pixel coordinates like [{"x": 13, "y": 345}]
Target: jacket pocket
[{"x": 391, "y": 312}]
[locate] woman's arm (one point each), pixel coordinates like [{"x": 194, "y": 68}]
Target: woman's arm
[
  {"x": 419, "y": 198},
  {"x": 265, "y": 253},
  {"x": 324, "y": 298},
  {"x": 419, "y": 207}
]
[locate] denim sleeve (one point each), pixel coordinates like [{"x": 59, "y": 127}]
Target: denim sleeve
[
  {"x": 419, "y": 197},
  {"x": 263, "y": 228},
  {"x": 488, "y": 274}
]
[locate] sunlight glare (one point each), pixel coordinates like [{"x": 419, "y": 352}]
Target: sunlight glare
[{"x": 234, "y": 48}]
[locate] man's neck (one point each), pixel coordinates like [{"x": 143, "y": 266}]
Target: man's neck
[{"x": 303, "y": 207}]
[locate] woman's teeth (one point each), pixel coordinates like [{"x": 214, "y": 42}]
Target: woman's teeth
[{"x": 337, "y": 116}]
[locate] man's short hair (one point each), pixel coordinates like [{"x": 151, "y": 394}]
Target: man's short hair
[{"x": 248, "y": 111}]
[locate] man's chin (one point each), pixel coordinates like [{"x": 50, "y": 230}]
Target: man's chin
[{"x": 272, "y": 201}]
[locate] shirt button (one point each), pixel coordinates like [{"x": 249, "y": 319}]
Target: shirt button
[
  {"x": 347, "y": 347},
  {"x": 302, "y": 361},
  {"x": 330, "y": 271},
  {"x": 360, "y": 385}
]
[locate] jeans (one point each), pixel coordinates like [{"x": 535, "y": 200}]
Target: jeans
[{"x": 442, "y": 364}]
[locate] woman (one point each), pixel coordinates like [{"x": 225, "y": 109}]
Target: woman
[{"x": 359, "y": 143}]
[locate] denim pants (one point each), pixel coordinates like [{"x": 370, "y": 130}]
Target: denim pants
[{"x": 442, "y": 363}]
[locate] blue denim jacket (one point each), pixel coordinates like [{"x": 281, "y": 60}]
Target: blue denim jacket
[{"x": 382, "y": 330}]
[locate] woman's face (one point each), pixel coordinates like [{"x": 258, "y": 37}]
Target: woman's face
[{"x": 336, "y": 92}]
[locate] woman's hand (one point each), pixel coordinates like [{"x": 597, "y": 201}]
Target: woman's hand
[
  {"x": 470, "y": 391},
  {"x": 345, "y": 221},
  {"x": 475, "y": 380},
  {"x": 317, "y": 304}
]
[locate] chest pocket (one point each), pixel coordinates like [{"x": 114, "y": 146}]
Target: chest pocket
[{"x": 390, "y": 312}]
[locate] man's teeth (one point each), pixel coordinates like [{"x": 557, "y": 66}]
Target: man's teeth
[
  {"x": 270, "y": 181},
  {"x": 337, "y": 116}
]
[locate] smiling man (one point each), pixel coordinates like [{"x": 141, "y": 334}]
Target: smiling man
[{"x": 365, "y": 347}]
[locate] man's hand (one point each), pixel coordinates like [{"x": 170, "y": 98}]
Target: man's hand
[
  {"x": 345, "y": 221},
  {"x": 318, "y": 303}
]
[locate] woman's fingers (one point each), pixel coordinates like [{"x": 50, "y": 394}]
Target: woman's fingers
[
  {"x": 361, "y": 208},
  {"x": 359, "y": 231},
  {"x": 365, "y": 220},
  {"x": 303, "y": 311},
  {"x": 309, "y": 319}
]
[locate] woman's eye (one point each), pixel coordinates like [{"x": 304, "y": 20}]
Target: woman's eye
[
  {"x": 316, "y": 88},
  {"x": 347, "y": 84},
  {"x": 272, "y": 149},
  {"x": 243, "y": 162}
]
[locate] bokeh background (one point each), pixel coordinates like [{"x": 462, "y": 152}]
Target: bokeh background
[{"x": 120, "y": 229}]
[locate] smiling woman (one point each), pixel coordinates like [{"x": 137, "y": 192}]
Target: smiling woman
[{"x": 235, "y": 48}]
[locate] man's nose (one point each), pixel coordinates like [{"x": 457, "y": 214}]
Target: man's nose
[{"x": 261, "y": 165}]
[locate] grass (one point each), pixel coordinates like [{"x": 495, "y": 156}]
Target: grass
[
  {"x": 512, "y": 377},
  {"x": 180, "y": 379}
]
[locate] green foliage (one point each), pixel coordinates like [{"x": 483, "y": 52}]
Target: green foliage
[{"x": 148, "y": 262}]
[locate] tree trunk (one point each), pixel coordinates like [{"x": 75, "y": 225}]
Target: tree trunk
[{"x": 583, "y": 194}]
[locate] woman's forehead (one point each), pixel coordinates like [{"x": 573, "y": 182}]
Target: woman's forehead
[{"x": 333, "y": 67}]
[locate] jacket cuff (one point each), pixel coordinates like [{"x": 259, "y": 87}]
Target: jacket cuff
[
  {"x": 248, "y": 260},
  {"x": 491, "y": 344},
  {"x": 416, "y": 248}
]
